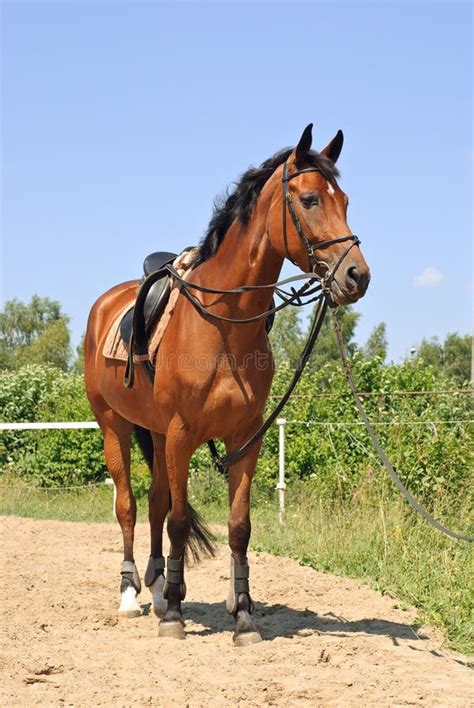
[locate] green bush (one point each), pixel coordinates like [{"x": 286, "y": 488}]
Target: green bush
[
  {"x": 334, "y": 449},
  {"x": 49, "y": 457},
  {"x": 325, "y": 442}
]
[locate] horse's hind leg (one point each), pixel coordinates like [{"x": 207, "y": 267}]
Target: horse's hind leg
[
  {"x": 239, "y": 603},
  {"x": 158, "y": 507},
  {"x": 117, "y": 434}
]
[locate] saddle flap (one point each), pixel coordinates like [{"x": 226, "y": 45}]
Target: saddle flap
[
  {"x": 156, "y": 299},
  {"x": 153, "y": 307}
]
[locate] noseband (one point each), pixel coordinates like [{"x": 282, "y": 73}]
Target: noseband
[{"x": 311, "y": 247}]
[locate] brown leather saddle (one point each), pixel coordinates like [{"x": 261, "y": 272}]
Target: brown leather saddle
[{"x": 139, "y": 321}]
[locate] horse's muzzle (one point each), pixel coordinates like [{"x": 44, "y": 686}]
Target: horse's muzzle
[{"x": 350, "y": 283}]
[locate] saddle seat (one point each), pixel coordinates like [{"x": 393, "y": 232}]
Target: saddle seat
[{"x": 156, "y": 299}]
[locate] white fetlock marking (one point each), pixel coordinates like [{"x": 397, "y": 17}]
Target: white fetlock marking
[
  {"x": 129, "y": 602},
  {"x": 158, "y": 601}
]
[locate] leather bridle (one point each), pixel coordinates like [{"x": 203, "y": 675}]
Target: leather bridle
[{"x": 287, "y": 202}]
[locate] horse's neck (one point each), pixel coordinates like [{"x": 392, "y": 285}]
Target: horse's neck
[{"x": 245, "y": 257}]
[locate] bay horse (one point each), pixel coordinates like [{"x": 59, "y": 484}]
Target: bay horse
[{"x": 194, "y": 397}]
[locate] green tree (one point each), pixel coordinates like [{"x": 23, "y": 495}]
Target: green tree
[
  {"x": 376, "y": 344},
  {"x": 457, "y": 357},
  {"x": 34, "y": 332},
  {"x": 326, "y": 350},
  {"x": 452, "y": 357},
  {"x": 78, "y": 366},
  {"x": 431, "y": 352},
  {"x": 286, "y": 337}
]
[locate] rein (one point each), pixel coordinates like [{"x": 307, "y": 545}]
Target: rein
[{"x": 288, "y": 298}]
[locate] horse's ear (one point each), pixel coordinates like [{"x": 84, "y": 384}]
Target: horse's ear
[
  {"x": 304, "y": 144},
  {"x": 333, "y": 150}
]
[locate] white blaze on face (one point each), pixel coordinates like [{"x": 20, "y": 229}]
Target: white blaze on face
[{"x": 331, "y": 190}]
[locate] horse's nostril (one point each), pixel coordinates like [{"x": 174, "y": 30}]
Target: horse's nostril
[{"x": 353, "y": 274}]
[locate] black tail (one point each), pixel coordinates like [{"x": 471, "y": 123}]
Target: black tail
[
  {"x": 201, "y": 541},
  {"x": 145, "y": 442}
]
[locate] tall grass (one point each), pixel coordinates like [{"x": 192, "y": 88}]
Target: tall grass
[
  {"x": 373, "y": 536},
  {"x": 377, "y": 538},
  {"x": 90, "y": 503}
]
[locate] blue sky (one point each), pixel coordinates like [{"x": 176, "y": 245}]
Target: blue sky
[{"x": 122, "y": 120}]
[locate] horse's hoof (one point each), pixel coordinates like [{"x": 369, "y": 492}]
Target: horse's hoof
[
  {"x": 174, "y": 629},
  {"x": 244, "y": 639},
  {"x": 129, "y": 614}
]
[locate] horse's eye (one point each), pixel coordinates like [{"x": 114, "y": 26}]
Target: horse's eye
[{"x": 310, "y": 199}]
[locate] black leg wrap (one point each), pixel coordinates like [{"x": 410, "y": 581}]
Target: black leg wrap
[
  {"x": 130, "y": 577},
  {"x": 154, "y": 569},
  {"x": 239, "y": 583},
  {"x": 175, "y": 575}
]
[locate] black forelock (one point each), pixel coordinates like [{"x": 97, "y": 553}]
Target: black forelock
[{"x": 239, "y": 203}]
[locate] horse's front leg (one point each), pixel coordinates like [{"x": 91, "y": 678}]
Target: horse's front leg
[{"x": 239, "y": 603}]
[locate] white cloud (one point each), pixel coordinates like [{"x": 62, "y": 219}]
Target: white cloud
[{"x": 429, "y": 277}]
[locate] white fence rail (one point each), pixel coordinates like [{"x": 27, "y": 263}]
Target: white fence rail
[
  {"x": 281, "y": 422},
  {"x": 50, "y": 426}
]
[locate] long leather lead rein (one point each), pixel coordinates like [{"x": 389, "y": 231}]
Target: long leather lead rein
[{"x": 375, "y": 441}]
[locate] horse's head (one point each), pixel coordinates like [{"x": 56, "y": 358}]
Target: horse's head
[{"x": 307, "y": 220}]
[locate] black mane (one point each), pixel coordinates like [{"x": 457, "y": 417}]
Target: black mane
[{"x": 239, "y": 203}]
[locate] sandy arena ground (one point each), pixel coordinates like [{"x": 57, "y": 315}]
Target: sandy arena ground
[{"x": 329, "y": 641}]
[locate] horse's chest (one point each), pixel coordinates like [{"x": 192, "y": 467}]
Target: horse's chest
[{"x": 240, "y": 392}]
